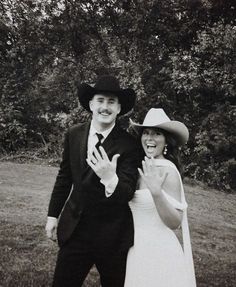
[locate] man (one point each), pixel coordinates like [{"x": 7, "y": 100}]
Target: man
[{"x": 92, "y": 190}]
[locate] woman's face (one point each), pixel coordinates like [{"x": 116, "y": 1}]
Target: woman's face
[{"x": 153, "y": 142}]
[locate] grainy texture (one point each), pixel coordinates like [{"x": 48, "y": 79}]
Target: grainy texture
[{"x": 27, "y": 258}]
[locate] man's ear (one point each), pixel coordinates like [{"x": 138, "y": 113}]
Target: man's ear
[{"x": 91, "y": 105}]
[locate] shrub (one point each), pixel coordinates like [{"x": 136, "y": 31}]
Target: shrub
[{"x": 213, "y": 159}]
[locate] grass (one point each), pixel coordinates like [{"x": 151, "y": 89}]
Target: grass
[{"x": 27, "y": 258}]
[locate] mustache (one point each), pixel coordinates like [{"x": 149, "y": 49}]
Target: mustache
[{"x": 104, "y": 111}]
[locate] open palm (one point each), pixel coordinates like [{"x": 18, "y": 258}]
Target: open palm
[{"x": 153, "y": 176}]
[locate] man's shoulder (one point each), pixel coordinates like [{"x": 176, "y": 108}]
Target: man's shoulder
[
  {"x": 124, "y": 135},
  {"x": 78, "y": 127}
]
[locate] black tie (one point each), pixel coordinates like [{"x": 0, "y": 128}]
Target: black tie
[{"x": 100, "y": 137}]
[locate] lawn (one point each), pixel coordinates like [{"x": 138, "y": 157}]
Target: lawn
[{"x": 27, "y": 257}]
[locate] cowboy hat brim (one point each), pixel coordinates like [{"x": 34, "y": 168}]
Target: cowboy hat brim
[
  {"x": 176, "y": 128},
  {"x": 126, "y": 97}
]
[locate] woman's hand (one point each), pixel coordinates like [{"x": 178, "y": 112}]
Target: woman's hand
[{"x": 153, "y": 176}]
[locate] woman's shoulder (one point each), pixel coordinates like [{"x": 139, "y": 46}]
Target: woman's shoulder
[
  {"x": 165, "y": 163},
  {"x": 172, "y": 184},
  {"x": 172, "y": 170}
]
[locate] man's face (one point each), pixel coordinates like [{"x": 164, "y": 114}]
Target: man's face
[{"x": 105, "y": 108}]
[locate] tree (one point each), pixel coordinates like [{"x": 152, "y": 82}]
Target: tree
[{"x": 178, "y": 55}]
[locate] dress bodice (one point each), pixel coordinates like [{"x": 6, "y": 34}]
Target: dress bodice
[{"x": 144, "y": 210}]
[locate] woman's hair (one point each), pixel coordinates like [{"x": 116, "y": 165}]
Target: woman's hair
[{"x": 173, "y": 151}]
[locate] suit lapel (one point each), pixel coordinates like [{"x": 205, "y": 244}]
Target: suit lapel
[
  {"x": 111, "y": 138},
  {"x": 83, "y": 142}
]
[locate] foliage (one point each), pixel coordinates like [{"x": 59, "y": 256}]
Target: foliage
[
  {"x": 212, "y": 160},
  {"x": 178, "y": 55},
  {"x": 203, "y": 78}
]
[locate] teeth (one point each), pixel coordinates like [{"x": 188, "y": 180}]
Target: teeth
[{"x": 151, "y": 145}]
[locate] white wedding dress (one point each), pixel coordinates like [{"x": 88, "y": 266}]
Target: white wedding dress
[{"x": 157, "y": 258}]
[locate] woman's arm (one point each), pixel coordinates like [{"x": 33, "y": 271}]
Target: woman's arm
[
  {"x": 161, "y": 180},
  {"x": 171, "y": 216}
]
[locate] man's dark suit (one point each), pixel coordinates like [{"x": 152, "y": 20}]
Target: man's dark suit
[{"x": 101, "y": 224}]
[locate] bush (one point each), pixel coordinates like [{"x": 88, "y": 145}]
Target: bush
[{"x": 212, "y": 160}]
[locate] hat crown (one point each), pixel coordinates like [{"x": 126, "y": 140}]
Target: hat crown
[
  {"x": 107, "y": 83},
  {"x": 155, "y": 117}
]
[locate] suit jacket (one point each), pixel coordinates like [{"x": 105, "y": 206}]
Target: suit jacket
[{"x": 78, "y": 197}]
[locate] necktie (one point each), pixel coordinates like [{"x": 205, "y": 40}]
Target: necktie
[{"x": 100, "y": 137}]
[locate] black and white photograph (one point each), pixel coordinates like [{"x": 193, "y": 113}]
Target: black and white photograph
[{"x": 117, "y": 143}]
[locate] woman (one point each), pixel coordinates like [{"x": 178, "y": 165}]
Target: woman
[{"x": 157, "y": 257}]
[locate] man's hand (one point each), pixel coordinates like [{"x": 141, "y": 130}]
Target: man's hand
[
  {"x": 101, "y": 165},
  {"x": 51, "y": 228}
]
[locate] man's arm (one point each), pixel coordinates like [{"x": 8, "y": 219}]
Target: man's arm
[
  {"x": 127, "y": 172},
  {"x": 60, "y": 191},
  {"x": 62, "y": 184}
]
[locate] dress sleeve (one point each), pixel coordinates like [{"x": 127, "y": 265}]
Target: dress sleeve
[{"x": 175, "y": 203}]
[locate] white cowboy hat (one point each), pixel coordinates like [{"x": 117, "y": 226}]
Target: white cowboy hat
[{"x": 157, "y": 118}]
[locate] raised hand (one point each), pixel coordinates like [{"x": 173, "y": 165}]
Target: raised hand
[
  {"x": 101, "y": 165},
  {"x": 153, "y": 176}
]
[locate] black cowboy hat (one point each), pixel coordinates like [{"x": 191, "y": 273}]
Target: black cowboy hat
[{"x": 107, "y": 84}]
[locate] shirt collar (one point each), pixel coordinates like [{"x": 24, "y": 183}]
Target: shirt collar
[{"x": 105, "y": 133}]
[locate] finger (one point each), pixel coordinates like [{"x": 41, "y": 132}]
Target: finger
[
  {"x": 151, "y": 165},
  {"x": 92, "y": 158},
  {"x": 152, "y": 161},
  {"x": 51, "y": 234},
  {"x": 141, "y": 172},
  {"x": 103, "y": 153},
  {"x": 54, "y": 236},
  {"x": 144, "y": 167},
  {"x": 142, "y": 175},
  {"x": 97, "y": 154},
  {"x": 114, "y": 159},
  {"x": 90, "y": 155},
  {"x": 91, "y": 164},
  {"x": 148, "y": 164}
]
